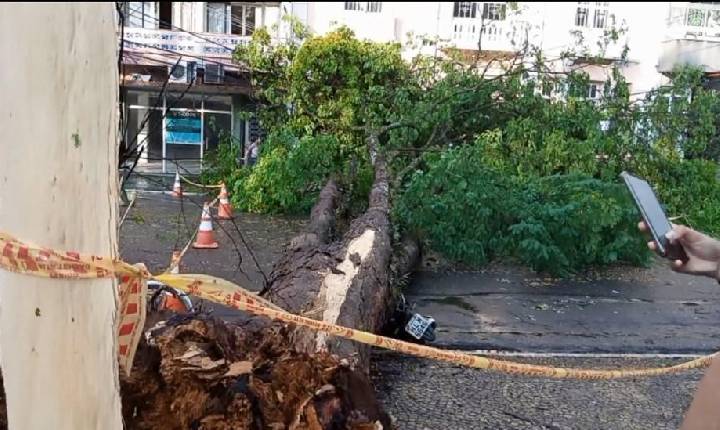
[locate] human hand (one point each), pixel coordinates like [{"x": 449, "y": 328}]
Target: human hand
[{"x": 703, "y": 251}]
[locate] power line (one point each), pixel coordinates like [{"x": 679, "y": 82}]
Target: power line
[
  {"x": 236, "y": 248},
  {"x": 130, "y": 147},
  {"x": 175, "y": 27},
  {"x": 166, "y": 110}
]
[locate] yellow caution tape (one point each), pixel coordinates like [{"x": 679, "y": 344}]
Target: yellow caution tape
[
  {"x": 32, "y": 260},
  {"x": 198, "y": 185}
]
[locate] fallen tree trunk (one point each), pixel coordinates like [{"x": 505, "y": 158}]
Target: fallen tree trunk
[
  {"x": 322, "y": 219},
  {"x": 405, "y": 258},
  {"x": 345, "y": 283},
  {"x": 202, "y": 373}
]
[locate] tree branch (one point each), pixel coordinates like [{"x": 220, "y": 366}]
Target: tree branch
[{"x": 413, "y": 164}]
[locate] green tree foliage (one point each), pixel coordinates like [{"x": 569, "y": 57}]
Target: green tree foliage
[
  {"x": 562, "y": 159},
  {"x": 520, "y": 164},
  {"x": 472, "y": 213},
  {"x": 290, "y": 174},
  {"x": 322, "y": 93}
]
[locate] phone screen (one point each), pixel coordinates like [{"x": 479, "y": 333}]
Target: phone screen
[{"x": 650, "y": 209}]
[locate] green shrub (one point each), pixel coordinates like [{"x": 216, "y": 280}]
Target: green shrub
[
  {"x": 690, "y": 189},
  {"x": 472, "y": 213},
  {"x": 289, "y": 174},
  {"x": 569, "y": 222},
  {"x": 221, "y": 163},
  {"x": 459, "y": 206}
]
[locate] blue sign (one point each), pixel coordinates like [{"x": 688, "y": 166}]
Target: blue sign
[{"x": 183, "y": 128}]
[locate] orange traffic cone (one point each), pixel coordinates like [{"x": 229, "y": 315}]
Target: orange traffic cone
[
  {"x": 177, "y": 187},
  {"x": 224, "y": 208},
  {"x": 173, "y": 302},
  {"x": 175, "y": 263},
  {"x": 205, "y": 236}
]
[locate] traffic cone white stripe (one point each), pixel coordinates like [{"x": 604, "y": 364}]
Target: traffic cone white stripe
[
  {"x": 177, "y": 186},
  {"x": 205, "y": 236},
  {"x": 224, "y": 208}
]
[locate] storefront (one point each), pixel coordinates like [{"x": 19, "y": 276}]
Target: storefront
[{"x": 195, "y": 123}]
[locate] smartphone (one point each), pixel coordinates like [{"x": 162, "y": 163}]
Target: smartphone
[{"x": 654, "y": 216}]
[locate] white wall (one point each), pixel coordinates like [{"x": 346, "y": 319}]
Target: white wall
[
  {"x": 647, "y": 32},
  {"x": 550, "y": 27}
]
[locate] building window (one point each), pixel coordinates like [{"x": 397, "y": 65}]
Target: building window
[
  {"x": 217, "y": 18},
  {"x": 465, "y": 9},
  {"x": 364, "y": 6},
  {"x": 141, "y": 14},
  {"x": 592, "y": 14},
  {"x": 243, "y": 20},
  {"x": 581, "y": 15},
  {"x": 227, "y": 19},
  {"x": 600, "y": 17},
  {"x": 494, "y": 11}
]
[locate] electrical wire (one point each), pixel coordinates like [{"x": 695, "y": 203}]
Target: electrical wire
[
  {"x": 164, "y": 115},
  {"x": 199, "y": 36},
  {"x": 236, "y": 248}
]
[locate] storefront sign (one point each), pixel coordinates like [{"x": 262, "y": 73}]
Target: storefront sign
[
  {"x": 183, "y": 42},
  {"x": 183, "y": 128}
]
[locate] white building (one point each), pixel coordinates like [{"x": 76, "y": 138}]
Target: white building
[
  {"x": 180, "y": 88},
  {"x": 207, "y": 90},
  {"x": 658, "y": 35}
]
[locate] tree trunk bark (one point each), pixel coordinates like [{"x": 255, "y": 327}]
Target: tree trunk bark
[
  {"x": 344, "y": 282},
  {"x": 58, "y": 188},
  {"x": 322, "y": 219},
  {"x": 405, "y": 258}
]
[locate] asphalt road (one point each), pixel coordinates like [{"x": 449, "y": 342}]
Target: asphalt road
[
  {"x": 619, "y": 311},
  {"x": 631, "y": 310}
]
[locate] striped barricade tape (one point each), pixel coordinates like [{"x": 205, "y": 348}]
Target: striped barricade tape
[{"x": 33, "y": 260}]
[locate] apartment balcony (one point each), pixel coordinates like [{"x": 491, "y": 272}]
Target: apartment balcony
[
  {"x": 505, "y": 35},
  {"x": 692, "y": 38},
  {"x": 695, "y": 21}
]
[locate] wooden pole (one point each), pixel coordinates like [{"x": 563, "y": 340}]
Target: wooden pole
[{"x": 58, "y": 188}]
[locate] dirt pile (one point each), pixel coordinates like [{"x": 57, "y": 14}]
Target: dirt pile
[{"x": 201, "y": 373}]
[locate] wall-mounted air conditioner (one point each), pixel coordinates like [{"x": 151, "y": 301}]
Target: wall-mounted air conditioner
[
  {"x": 183, "y": 72},
  {"x": 178, "y": 72}
]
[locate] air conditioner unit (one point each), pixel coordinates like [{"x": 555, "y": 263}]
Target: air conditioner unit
[
  {"x": 214, "y": 73},
  {"x": 178, "y": 72}
]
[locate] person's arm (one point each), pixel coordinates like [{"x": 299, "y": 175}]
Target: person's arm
[
  {"x": 704, "y": 413},
  {"x": 704, "y": 260},
  {"x": 247, "y": 154}
]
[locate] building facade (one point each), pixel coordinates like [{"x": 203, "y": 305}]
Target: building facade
[
  {"x": 659, "y": 35},
  {"x": 181, "y": 91}
]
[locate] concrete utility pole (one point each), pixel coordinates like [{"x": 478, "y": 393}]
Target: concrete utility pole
[{"x": 58, "y": 188}]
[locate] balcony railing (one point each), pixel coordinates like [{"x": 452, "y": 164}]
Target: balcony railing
[
  {"x": 694, "y": 21},
  {"x": 507, "y": 35},
  {"x": 182, "y": 42}
]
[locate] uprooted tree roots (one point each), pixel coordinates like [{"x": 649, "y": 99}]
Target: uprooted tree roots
[{"x": 202, "y": 373}]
